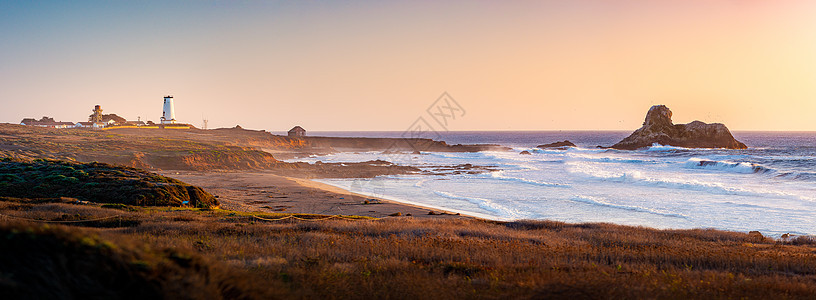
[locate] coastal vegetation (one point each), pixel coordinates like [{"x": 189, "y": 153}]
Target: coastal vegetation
[
  {"x": 97, "y": 182},
  {"x": 144, "y": 151},
  {"x": 184, "y": 252}
]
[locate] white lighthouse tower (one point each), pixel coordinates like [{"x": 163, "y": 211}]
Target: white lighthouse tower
[{"x": 169, "y": 112}]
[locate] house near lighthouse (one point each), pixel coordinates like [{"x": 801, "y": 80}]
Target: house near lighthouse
[
  {"x": 101, "y": 121},
  {"x": 296, "y": 131}
]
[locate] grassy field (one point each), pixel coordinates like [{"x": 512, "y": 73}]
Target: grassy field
[
  {"x": 400, "y": 258},
  {"x": 145, "y": 149}
]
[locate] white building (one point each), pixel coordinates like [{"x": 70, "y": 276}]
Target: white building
[
  {"x": 91, "y": 125},
  {"x": 169, "y": 112},
  {"x": 47, "y": 124}
]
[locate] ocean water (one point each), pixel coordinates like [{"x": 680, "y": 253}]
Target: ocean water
[{"x": 770, "y": 187}]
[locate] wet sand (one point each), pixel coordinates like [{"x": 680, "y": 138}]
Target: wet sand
[{"x": 267, "y": 192}]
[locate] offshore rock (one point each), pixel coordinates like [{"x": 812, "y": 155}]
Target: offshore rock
[
  {"x": 563, "y": 144},
  {"x": 658, "y": 128}
]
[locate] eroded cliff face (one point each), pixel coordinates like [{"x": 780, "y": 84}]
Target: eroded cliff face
[{"x": 659, "y": 128}]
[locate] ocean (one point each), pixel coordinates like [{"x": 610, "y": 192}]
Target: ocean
[{"x": 771, "y": 187}]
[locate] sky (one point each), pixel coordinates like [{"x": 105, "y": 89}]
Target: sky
[{"x": 379, "y": 65}]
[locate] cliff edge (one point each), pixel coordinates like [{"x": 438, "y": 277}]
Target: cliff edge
[{"x": 658, "y": 128}]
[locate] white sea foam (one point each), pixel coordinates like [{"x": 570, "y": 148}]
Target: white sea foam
[
  {"x": 681, "y": 183},
  {"x": 500, "y": 175},
  {"x": 587, "y": 150},
  {"x": 486, "y": 204},
  {"x": 603, "y": 202},
  {"x": 663, "y": 148},
  {"x": 420, "y": 183},
  {"x": 612, "y": 159},
  {"x": 727, "y": 166},
  {"x": 547, "y": 151}
]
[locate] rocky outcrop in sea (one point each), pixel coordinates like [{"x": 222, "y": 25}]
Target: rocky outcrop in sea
[
  {"x": 658, "y": 128},
  {"x": 564, "y": 144}
]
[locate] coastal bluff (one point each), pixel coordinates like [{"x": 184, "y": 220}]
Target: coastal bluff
[{"x": 658, "y": 128}]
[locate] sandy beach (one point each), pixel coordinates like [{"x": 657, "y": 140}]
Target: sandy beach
[{"x": 268, "y": 192}]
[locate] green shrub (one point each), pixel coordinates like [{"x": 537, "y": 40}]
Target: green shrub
[
  {"x": 10, "y": 178},
  {"x": 96, "y": 182},
  {"x": 115, "y": 206},
  {"x": 54, "y": 177}
]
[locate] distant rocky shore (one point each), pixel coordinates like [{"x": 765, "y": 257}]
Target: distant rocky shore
[{"x": 395, "y": 145}]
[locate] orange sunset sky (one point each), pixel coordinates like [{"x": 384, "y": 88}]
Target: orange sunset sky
[{"x": 377, "y": 65}]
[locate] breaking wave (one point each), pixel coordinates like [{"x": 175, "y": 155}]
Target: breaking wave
[
  {"x": 727, "y": 166},
  {"x": 602, "y": 202},
  {"x": 612, "y": 159},
  {"x": 486, "y": 204},
  {"x": 798, "y": 176},
  {"x": 500, "y": 176},
  {"x": 662, "y": 148},
  {"x": 637, "y": 178}
]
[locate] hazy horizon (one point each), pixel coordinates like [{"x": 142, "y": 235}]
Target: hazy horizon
[{"x": 377, "y": 66}]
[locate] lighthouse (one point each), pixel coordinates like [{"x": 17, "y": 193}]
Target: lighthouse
[
  {"x": 97, "y": 114},
  {"x": 169, "y": 112}
]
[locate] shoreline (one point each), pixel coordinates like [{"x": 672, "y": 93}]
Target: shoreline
[
  {"x": 311, "y": 183},
  {"x": 269, "y": 192},
  {"x": 332, "y": 188},
  {"x": 340, "y": 190}
]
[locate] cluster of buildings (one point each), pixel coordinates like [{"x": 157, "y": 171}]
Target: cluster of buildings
[
  {"x": 47, "y": 122},
  {"x": 98, "y": 120}
]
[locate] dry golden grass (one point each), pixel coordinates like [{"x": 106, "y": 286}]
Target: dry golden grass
[
  {"x": 42, "y": 261},
  {"x": 410, "y": 258},
  {"x": 145, "y": 149}
]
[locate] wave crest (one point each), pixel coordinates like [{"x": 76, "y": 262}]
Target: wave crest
[
  {"x": 602, "y": 202},
  {"x": 638, "y": 178},
  {"x": 664, "y": 148},
  {"x": 486, "y": 204},
  {"x": 500, "y": 176},
  {"x": 727, "y": 166}
]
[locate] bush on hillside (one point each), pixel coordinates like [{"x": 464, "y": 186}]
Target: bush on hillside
[{"x": 97, "y": 182}]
